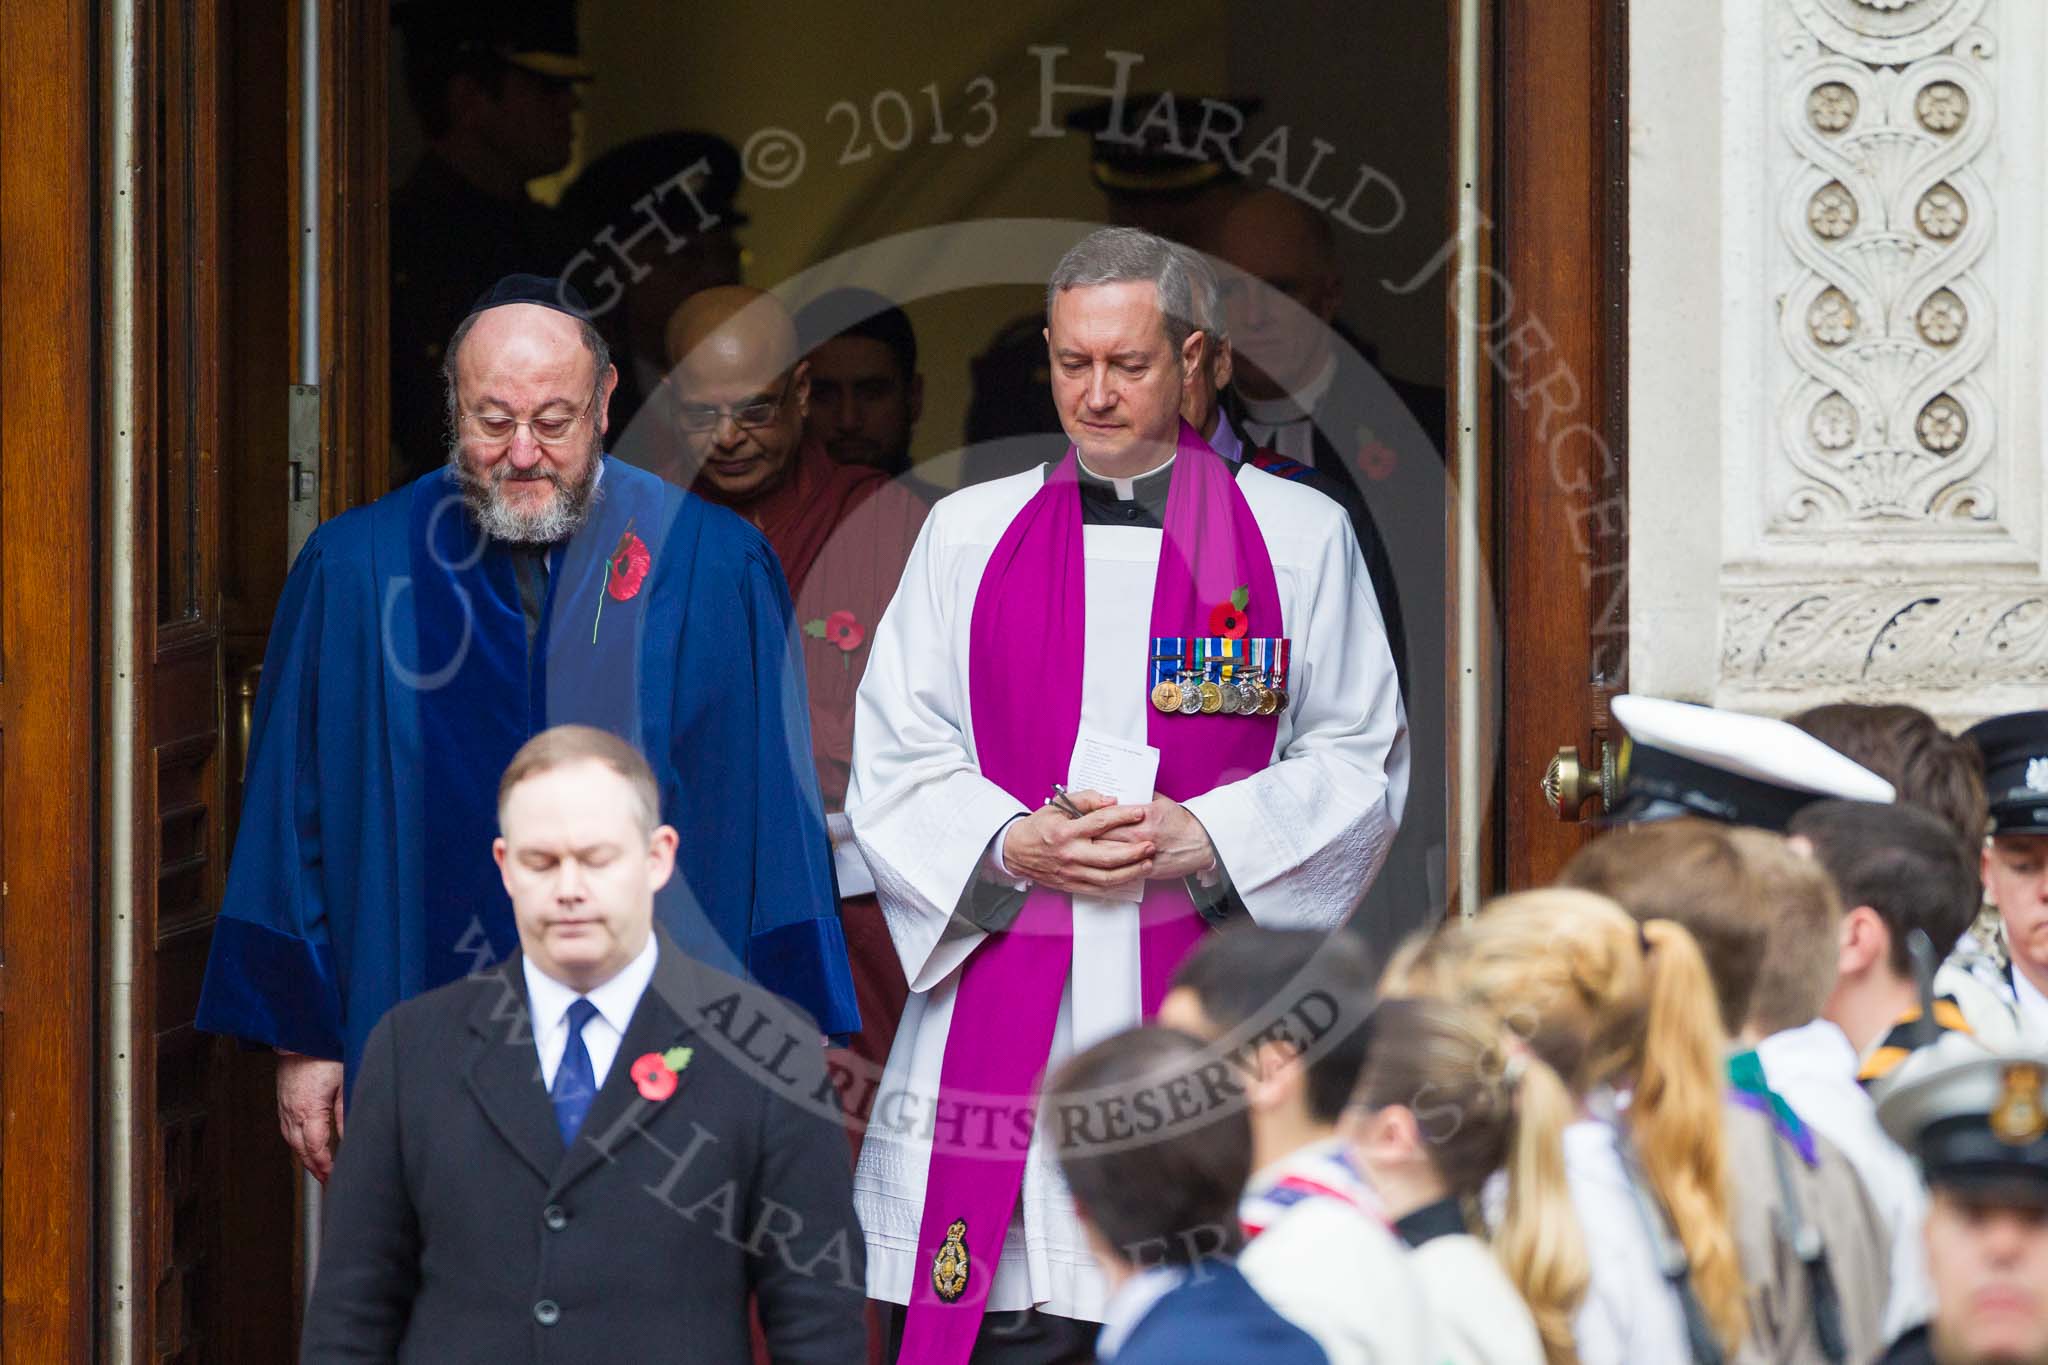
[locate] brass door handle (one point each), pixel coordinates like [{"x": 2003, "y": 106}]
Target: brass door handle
[
  {"x": 245, "y": 715},
  {"x": 1568, "y": 783}
]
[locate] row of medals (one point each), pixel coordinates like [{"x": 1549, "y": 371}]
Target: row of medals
[{"x": 1249, "y": 696}]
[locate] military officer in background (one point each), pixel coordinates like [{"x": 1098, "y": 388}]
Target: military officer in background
[
  {"x": 1680, "y": 759},
  {"x": 655, "y": 223},
  {"x": 494, "y": 88},
  {"x": 2015, "y": 752},
  {"x": 1977, "y": 1124}
]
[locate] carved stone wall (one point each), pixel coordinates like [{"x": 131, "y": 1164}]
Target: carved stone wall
[
  {"x": 1871, "y": 287},
  {"x": 1884, "y": 318}
]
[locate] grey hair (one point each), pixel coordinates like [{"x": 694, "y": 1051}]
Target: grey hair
[
  {"x": 593, "y": 342},
  {"x": 1123, "y": 255},
  {"x": 1206, "y": 289}
]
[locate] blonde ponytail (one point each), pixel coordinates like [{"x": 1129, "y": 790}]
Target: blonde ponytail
[
  {"x": 1675, "y": 1119},
  {"x": 1539, "y": 1241},
  {"x": 1606, "y": 1002}
]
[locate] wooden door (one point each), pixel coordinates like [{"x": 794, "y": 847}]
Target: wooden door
[
  {"x": 49, "y": 590},
  {"x": 1554, "y": 348},
  {"x": 217, "y": 301},
  {"x": 210, "y": 1242}
]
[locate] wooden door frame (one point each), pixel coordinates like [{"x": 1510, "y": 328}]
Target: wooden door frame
[
  {"x": 1556, "y": 368},
  {"x": 209, "y": 1248},
  {"x": 355, "y": 267},
  {"x": 49, "y": 446}
]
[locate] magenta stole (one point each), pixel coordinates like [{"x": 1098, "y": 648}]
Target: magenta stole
[{"x": 1024, "y": 681}]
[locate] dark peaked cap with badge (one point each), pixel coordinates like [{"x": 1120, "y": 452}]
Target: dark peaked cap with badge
[
  {"x": 1973, "y": 1118},
  {"x": 1680, "y": 759},
  {"x": 2015, "y": 753},
  {"x": 608, "y": 192},
  {"x": 1144, "y": 158}
]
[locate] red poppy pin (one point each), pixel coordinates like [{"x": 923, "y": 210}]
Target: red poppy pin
[
  {"x": 1376, "y": 459},
  {"x": 624, "y": 572},
  {"x": 841, "y": 629},
  {"x": 654, "y": 1073},
  {"x": 1228, "y": 619},
  {"x": 628, "y": 567}
]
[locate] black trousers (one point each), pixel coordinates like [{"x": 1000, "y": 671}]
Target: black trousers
[{"x": 1023, "y": 1337}]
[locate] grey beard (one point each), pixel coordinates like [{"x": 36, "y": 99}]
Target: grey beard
[{"x": 563, "y": 516}]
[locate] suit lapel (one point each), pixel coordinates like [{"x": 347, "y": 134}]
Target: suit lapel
[
  {"x": 504, "y": 1069},
  {"x": 620, "y": 1112}
]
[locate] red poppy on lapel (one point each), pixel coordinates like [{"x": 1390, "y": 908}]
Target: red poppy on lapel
[
  {"x": 628, "y": 567},
  {"x": 842, "y": 629},
  {"x": 654, "y": 1073},
  {"x": 1375, "y": 459}
]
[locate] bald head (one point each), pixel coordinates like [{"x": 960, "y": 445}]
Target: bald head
[
  {"x": 741, "y": 392},
  {"x": 731, "y": 328},
  {"x": 1281, "y": 287},
  {"x": 539, "y": 344}
]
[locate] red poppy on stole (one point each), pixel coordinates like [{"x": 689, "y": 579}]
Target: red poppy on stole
[{"x": 1228, "y": 619}]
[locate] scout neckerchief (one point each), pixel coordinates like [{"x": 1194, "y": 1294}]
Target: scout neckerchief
[{"x": 1025, "y": 668}]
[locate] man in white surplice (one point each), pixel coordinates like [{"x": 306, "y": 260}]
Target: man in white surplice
[{"x": 1294, "y": 845}]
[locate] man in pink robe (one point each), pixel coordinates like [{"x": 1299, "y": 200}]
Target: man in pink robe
[{"x": 738, "y": 401}]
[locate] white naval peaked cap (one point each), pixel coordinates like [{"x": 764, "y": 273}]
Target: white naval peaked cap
[{"x": 1683, "y": 759}]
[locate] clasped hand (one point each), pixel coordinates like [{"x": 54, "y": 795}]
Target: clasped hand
[{"x": 1109, "y": 846}]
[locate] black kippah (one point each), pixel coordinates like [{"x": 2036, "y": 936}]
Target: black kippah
[{"x": 547, "y": 291}]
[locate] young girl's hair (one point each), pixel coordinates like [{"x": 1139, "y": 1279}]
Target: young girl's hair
[
  {"x": 1485, "y": 1103},
  {"x": 1605, "y": 1000}
]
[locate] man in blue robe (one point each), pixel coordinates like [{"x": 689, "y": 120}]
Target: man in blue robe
[{"x": 422, "y": 639}]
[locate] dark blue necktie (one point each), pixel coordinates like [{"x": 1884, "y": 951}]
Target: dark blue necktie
[{"x": 575, "y": 1079}]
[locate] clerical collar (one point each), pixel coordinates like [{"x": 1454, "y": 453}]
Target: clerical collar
[
  {"x": 1143, "y": 508},
  {"x": 1129, "y": 489},
  {"x": 1442, "y": 1219},
  {"x": 1298, "y": 406},
  {"x": 1138, "y": 503}
]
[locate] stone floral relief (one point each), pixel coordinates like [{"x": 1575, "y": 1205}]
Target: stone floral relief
[
  {"x": 1888, "y": 32},
  {"x": 1887, "y": 417},
  {"x": 1891, "y": 638}
]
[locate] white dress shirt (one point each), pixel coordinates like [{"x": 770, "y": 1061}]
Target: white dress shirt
[
  {"x": 616, "y": 999},
  {"x": 2033, "y": 1007},
  {"x": 1813, "y": 1069},
  {"x": 1287, "y": 425},
  {"x": 1132, "y": 1300}
]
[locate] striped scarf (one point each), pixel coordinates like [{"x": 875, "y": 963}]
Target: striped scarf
[{"x": 1324, "y": 1171}]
